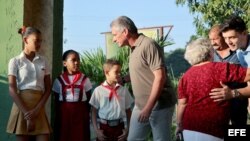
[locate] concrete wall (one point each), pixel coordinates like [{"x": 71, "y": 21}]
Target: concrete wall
[
  {"x": 11, "y": 17},
  {"x": 39, "y": 14}
]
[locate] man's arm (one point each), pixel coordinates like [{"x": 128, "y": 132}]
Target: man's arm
[
  {"x": 225, "y": 93},
  {"x": 245, "y": 91},
  {"x": 158, "y": 83}
]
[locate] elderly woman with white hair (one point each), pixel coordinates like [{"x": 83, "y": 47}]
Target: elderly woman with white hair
[{"x": 198, "y": 116}]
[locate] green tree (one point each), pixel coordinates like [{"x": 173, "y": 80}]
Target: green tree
[
  {"x": 176, "y": 57},
  {"x": 209, "y": 12}
]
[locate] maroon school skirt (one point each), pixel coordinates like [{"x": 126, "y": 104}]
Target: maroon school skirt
[{"x": 72, "y": 121}]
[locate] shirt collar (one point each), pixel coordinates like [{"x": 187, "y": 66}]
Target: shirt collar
[
  {"x": 248, "y": 48},
  {"x": 231, "y": 52},
  {"x": 22, "y": 56},
  {"x": 105, "y": 83},
  {"x": 139, "y": 40}
]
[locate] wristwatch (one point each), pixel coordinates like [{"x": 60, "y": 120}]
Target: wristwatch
[{"x": 236, "y": 93}]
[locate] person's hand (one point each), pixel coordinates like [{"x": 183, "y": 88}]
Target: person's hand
[
  {"x": 178, "y": 128},
  {"x": 124, "y": 135},
  {"x": 124, "y": 79},
  {"x": 144, "y": 115},
  {"x": 220, "y": 94},
  {"x": 31, "y": 114},
  {"x": 100, "y": 135},
  {"x": 120, "y": 80},
  {"x": 30, "y": 125}
]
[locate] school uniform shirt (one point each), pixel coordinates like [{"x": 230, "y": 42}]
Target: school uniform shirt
[
  {"x": 70, "y": 97},
  {"x": 29, "y": 74},
  {"x": 114, "y": 108}
]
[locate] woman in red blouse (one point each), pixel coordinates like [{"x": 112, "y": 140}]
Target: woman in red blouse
[{"x": 198, "y": 115}]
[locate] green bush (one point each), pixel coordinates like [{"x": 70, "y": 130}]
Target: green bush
[{"x": 92, "y": 64}]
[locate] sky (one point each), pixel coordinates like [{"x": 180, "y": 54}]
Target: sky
[{"x": 84, "y": 21}]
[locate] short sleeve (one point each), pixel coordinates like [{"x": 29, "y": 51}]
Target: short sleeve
[
  {"x": 56, "y": 86},
  {"x": 128, "y": 99},
  {"x": 154, "y": 56},
  {"x": 47, "y": 67},
  {"x": 88, "y": 85},
  {"x": 94, "y": 100},
  {"x": 12, "y": 67},
  {"x": 181, "y": 89}
]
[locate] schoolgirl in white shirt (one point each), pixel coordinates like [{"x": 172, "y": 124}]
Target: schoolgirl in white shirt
[{"x": 29, "y": 86}]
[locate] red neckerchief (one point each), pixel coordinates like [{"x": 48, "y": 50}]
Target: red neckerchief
[
  {"x": 65, "y": 76},
  {"x": 112, "y": 91}
]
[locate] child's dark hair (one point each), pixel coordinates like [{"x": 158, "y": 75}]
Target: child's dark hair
[
  {"x": 110, "y": 63},
  {"x": 234, "y": 23},
  {"x": 26, "y": 31},
  {"x": 66, "y": 54}
]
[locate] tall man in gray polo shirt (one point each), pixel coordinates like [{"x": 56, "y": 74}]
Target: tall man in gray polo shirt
[{"x": 154, "y": 96}]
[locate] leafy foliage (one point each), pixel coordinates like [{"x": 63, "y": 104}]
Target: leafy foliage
[
  {"x": 123, "y": 57},
  {"x": 172, "y": 59},
  {"x": 210, "y": 12},
  {"x": 164, "y": 41},
  {"x": 92, "y": 63}
]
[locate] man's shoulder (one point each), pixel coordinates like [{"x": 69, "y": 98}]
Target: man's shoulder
[{"x": 148, "y": 40}]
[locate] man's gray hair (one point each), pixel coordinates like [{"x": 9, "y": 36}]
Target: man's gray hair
[
  {"x": 198, "y": 51},
  {"x": 124, "y": 22}
]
